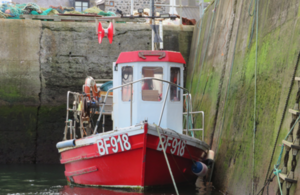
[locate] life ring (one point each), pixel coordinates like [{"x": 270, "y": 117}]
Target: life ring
[{"x": 90, "y": 85}]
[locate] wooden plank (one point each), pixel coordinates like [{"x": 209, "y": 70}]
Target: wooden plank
[
  {"x": 297, "y": 78},
  {"x": 296, "y": 112},
  {"x": 282, "y": 176},
  {"x": 290, "y": 144},
  {"x": 287, "y": 143}
]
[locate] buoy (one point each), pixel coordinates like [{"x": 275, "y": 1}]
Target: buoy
[
  {"x": 199, "y": 169},
  {"x": 90, "y": 85},
  {"x": 109, "y": 32}
]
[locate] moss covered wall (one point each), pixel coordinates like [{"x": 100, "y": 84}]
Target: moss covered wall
[
  {"x": 40, "y": 61},
  {"x": 224, "y": 34}
]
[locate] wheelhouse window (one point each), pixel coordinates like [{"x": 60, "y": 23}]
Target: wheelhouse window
[
  {"x": 175, "y": 78},
  {"x": 81, "y": 5},
  {"x": 127, "y": 77},
  {"x": 152, "y": 89}
]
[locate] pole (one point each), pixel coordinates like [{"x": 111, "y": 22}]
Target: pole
[
  {"x": 162, "y": 110},
  {"x": 180, "y": 12},
  {"x": 152, "y": 33},
  {"x": 161, "y": 44},
  {"x": 188, "y": 112},
  {"x": 131, "y": 104},
  {"x": 132, "y": 7},
  {"x": 103, "y": 124},
  {"x": 153, "y": 23}
]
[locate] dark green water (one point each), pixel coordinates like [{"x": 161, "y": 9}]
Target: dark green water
[{"x": 50, "y": 180}]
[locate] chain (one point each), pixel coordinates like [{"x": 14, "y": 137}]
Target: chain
[
  {"x": 294, "y": 163},
  {"x": 286, "y": 158},
  {"x": 298, "y": 132}
]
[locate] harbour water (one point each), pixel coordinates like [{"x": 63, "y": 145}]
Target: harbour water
[{"x": 50, "y": 180}]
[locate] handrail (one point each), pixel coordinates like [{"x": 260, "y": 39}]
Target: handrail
[
  {"x": 68, "y": 122},
  {"x": 201, "y": 129},
  {"x": 131, "y": 83},
  {"x": 68, "y": 94},
  {"x": 146, "y": 78},
  {"x": 195, "y": 112}
]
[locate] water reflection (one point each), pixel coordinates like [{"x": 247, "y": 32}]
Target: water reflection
[
  {"x": 50, "y": 180},
  {"x": 68, "y": 190}
]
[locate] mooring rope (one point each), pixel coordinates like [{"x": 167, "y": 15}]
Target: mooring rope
[{"x": 167, "y": 161}]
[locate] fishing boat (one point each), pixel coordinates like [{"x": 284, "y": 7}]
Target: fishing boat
[{"x": 149, "y": 144}]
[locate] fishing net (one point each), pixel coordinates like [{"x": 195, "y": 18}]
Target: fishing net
[
  {"x": 4, "y": 15},
  {"x": 102, "y": 13},
  {"x": 13, "y": 11},
  {"x": 43, "y": 13},
  {"x": 49, "y": 12},
  {"x": 53, "y": 12},
  {"x": 68, "y": 9},
  {"x": 92, "y": 10},
  {"x": 72, "y": 12}
]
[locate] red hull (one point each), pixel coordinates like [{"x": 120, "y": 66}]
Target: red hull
[{"x": 110, "y": 160}]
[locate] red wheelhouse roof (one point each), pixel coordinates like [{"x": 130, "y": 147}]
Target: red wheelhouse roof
[{"x": 150, "y": 56}]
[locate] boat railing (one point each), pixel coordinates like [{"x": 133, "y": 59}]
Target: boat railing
[
  {"x": 77, "y": 112},
  {"x": 137, "y": 81},
  {"x": 69, "y": 122},
  {"x": 199, "y": 129},
  {"x": 76, "y": 95},
  {"x": 189, "y": 104}
]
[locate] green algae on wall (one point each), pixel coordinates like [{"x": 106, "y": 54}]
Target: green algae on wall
[
  {"x": 278, "y": 48},
  {"x": 18, "y": 134},
  {"x": 51, "y": 124}
]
